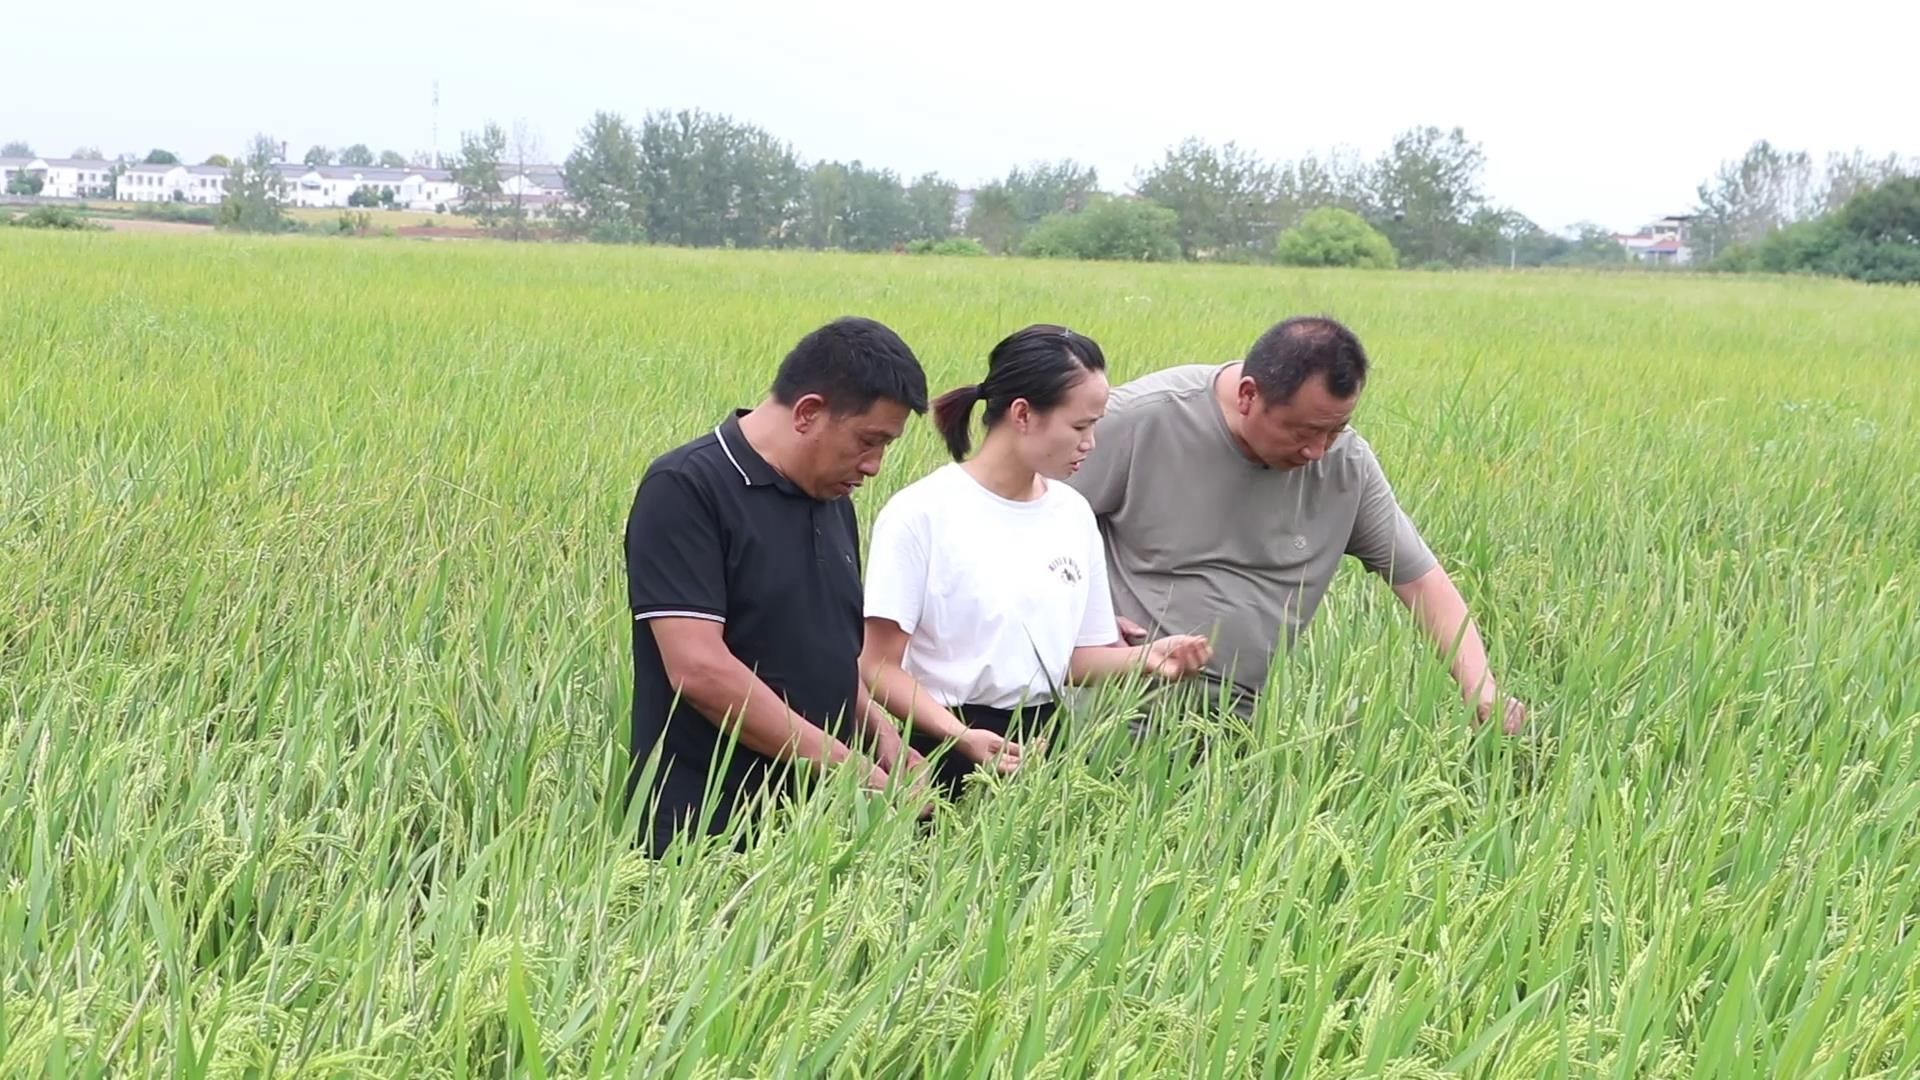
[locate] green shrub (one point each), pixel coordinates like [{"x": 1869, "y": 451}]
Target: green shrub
[
  {"x": 55, "y": 217},
  {"x": 952, "y": 245},
  {"x": 1331, "y": 236},
  {"x": 1119, "y": 229}
]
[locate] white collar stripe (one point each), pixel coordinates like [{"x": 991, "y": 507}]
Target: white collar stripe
[{"x": 722, "y": 440}]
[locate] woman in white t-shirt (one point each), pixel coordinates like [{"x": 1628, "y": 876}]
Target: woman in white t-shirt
[{"x": 986, "y": 585}]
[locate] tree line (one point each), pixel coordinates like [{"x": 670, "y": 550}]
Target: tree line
[
  {"x": 359, "y": 155},
  {"x": 700, "y": 179},
  {"x": 1775, "y": 210}
]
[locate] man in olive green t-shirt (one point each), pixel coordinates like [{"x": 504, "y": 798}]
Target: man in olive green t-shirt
[{"x": 1227, "y": 495}]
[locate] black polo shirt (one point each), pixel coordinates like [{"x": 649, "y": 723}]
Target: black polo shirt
[{"x": 715, "y": 533}]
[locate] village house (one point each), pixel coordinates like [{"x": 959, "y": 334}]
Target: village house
[
  {"x": 62, "y": 178},
  {"x": 1665, "y": 241},
  {"x": 539, "y": 190},
  {"x": 334, "y": 185},
  {"x": 202, "y": 184}
]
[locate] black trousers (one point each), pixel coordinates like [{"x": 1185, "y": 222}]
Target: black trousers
[{"x": 951, "y": 771}]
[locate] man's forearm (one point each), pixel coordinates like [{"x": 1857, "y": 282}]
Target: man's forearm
[
  {"x": 1442, "y": 614},
  {"x": 734, "y": 699}
]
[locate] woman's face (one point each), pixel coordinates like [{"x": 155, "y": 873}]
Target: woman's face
[{"x": 1055, "y": 442}]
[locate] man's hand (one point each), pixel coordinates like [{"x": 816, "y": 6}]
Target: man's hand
[
  {"x": 1442, "y": 615},
  {"x": 1130, "y": 632},
  {"x": 1177, "y": 657},
  {"x": 910, "y": 780},
  {"x": 1514, "y": 712},
  {"x": 888, "y": 747},
  {"x": 981, "y": 746}
]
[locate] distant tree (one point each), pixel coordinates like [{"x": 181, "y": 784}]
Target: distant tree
[
  {"x": 16, "y": 148},
  {"x": 162, "y": 157},
  {"x": 1511, "y": 226},
  {"x": 823, "y": 214},
  {"x": 1849, "y": 174},
  {"x": 317, "y": 156},
  {"x": 1045, "y": 188},
  {"x": 1591, "y": 246},
  {"x": 524, "y": 151},
  {"x": 880, "y": 217},
  {"x": 1312, "y": 182},
  {"x": 1887, "y": 213},
  {"x": 710, "y": 181},
  {"x": 1881, "y": 233},
  {"x": 24, "y": 183},
  {"x": 603, "y": 182},
  {"x": 87, "y": 153},
  {"x": 1331, "y": 236},
  {"x": 1765, "y": 190},
  {"x": 993, "y": 219},
  {"x": 1109, "y": 228},
  {"x": 856, "y": 208},
  {"x": 477, "y": 172},
  {"x": 253, "y": 199},
  {"x": 1529, "y": 245},
  {"x": 1875, "y": 237},
  {"x": 392, "y": 159},
  {"x": 221, "y": 160},
  {"x": 1224, "y": 196},
  {"x": 1004, "y": 210},
  {"x": 931, "y": 201},
  {"x": 1424, "y": 194},
  {"x": 359, "y": 155}
]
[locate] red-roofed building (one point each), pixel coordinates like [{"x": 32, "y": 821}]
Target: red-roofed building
[{"x": 1664, "y": 241}]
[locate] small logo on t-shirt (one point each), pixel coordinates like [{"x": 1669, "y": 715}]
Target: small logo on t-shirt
[{"x": 1068, "y": 569}]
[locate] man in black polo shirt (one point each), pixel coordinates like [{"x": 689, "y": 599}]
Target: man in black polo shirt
[{"x": 743, "y": 576}]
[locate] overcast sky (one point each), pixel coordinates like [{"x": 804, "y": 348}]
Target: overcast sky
[{"x": 1606, "y": 112}]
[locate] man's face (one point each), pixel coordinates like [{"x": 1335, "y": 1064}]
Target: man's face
[
  {"x": 839, "y": 453},
  {"x": 1297, "y": 432}
]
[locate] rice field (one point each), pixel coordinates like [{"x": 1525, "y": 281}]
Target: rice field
[{"x": 314, "y": 676}]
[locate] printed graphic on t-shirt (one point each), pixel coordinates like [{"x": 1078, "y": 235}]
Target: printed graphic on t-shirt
[{"x": 1067, "y": 568}]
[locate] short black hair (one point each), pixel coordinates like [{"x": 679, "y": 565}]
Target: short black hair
[
  {"x": 851, "y": 363},
  {"x": 1292, "y": 351}
]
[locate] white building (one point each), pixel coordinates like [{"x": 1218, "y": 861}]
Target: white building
[
  {"x": 1664, "y": 241},
  {"x": 533, "y": 180},
  {"x": 204, "y": 184},
  {"x": 334, "y": 185},
  {"x": 539, "y": 190},
  {"x": 62, "y": 178}
]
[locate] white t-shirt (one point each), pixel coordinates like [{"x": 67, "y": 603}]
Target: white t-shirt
[{"x": 994, "y": 594}]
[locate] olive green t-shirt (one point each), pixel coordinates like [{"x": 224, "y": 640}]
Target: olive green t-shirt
[{"x": 1200, "y": 540}]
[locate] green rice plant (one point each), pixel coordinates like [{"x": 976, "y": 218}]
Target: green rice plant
[{"x": 314, "y": 680}]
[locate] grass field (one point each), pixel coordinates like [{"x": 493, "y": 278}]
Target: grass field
[
  {"x": 313, "y": 670},
  {"x": 305, "y": 215},
  {"x": 380, "y": 219}
]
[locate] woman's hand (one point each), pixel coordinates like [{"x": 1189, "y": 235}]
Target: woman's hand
[
  {"x": 982, "y": 746},
  {"x": 1178, "y": 656}
]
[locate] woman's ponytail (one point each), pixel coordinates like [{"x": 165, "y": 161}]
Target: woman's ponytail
[{"x": 953, "y": 416}]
